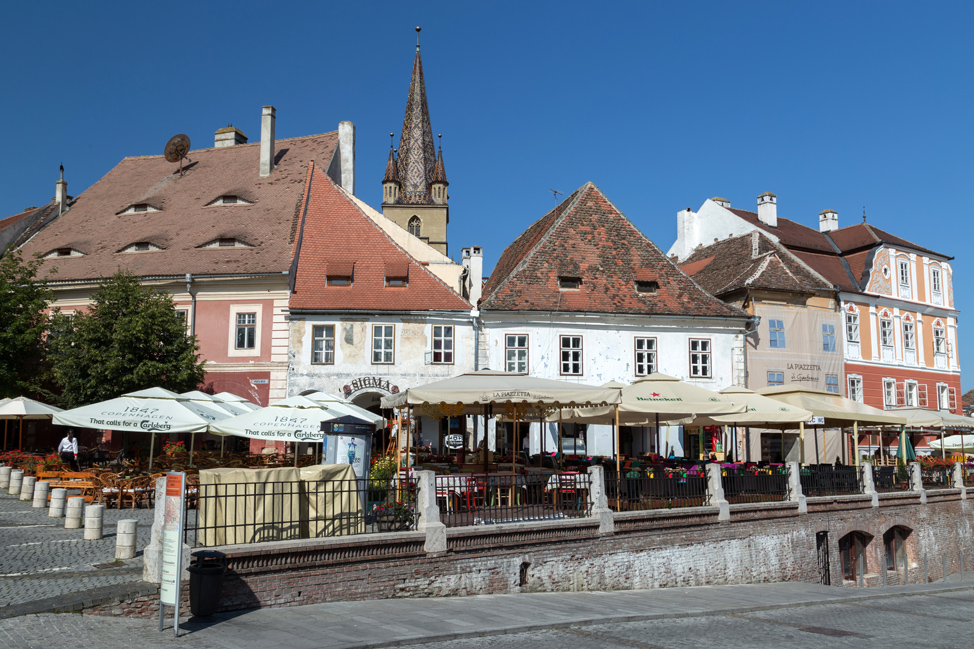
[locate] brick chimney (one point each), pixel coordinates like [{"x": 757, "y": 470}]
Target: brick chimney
[
  {"x": 61, "y": 193},
  {"x": 828, "y": 220},
  {"x": 228, "y": 136},
  {"x": 768, "y": 209},
  {"x": 723, "y": 202},
  {"x": 267, "y": 141},
  {"x": 473, "y": 263}
]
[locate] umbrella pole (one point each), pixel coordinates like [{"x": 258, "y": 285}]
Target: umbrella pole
[
  {"x": 617, "y": 440},
  {"x": 561, "y": 453},
  {"x": 222, "y": 440},
  {"x": 5, "y": 434},
  {"x": 152, "y": 446},
  {"x": 782, "y": 445},
  {"x": 801, "y": 436},
  {"x": 963, "y": 449},
  {"x": 655, "y": 432},
  {"x": 21, "y": 433},
  {"x": 192, "y": 441},
  {"x": 855, "y": 440},
  {"x": 818, "y": 460}
]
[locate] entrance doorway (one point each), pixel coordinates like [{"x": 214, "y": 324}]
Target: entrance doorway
[{"x": 824, "y": 568}]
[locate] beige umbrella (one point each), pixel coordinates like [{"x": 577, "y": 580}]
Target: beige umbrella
[
  {"x": 23, "y": 408},
  {"x": 837, "y": 411}
]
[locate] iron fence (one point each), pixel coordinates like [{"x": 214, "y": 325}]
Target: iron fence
[
  {"x": 655, "y": 489},
  {"x": 485, "y": 499},
  {"x": 828, "y": 480},
  {"x": 891, "y": 478},
  {"x": 968, "y": 473},
  {"x": 256, "y": 512},
  {"x": 755, "y": 487},
  {"x": 936, "y": 478}
]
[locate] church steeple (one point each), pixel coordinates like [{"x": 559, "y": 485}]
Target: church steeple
[{"x": 414, "y": 186}]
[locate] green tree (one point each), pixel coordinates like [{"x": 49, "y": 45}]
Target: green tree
[
  {"x": 130, "y": 339},
  {"x": 23, "y": 322}
]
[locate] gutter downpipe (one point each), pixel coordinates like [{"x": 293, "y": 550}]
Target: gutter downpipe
[
  {"x": 475, "y": 318},
  {"x": 192, "y": 318}
]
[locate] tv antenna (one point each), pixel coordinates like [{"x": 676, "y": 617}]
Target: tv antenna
[
  {"x": 555, "y": 193},
  {"x": 176, "y": 149}
]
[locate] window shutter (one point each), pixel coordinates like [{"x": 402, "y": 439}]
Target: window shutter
[
  {"x": 901, "y": 394},
  {"x": 952, "y": 399},
  {"x": 922, "y": 395}
]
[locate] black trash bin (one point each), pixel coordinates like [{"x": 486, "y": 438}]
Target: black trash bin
[{"x": 206, "y": 582}]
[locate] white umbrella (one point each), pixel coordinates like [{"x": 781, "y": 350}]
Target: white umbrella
[
  {"x": 295, "y": 419},
  {"x": 230, "y": 397},
  {"x": 23, "y": 408},
  {"x": 351, "y": 408}
]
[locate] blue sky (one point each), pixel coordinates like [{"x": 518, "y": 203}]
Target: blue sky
[{"x": 829, "y": 105}]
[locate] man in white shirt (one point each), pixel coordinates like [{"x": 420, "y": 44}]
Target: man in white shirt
[{"x": 68, "y": 450}]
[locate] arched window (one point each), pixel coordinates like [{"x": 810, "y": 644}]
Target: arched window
[
  {"x": 415, "y": 226},
  {"x": 852, "y": 548},
  {"x": 894, "y": 546}
]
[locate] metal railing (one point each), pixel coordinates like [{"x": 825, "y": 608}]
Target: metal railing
[
  {"x": 968, "y": 473},
  {"x": 891, "y": 478},
  {"x": 256, "y": 512},
  {"x": 755, "y": 487},
  {"x": 937, "y": 478},
  {"x": 485, "y": 499},
  {"x": 828, "y": 480},
  {"x": 655, "y": 489}
]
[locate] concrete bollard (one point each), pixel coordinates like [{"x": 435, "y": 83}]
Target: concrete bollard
[
  {"x": 58, "y": 501},
  {"x": 5, "y": 477},
  {"x": 27, "y": 487},
  {"x": 125, "y": 538},
  {"x": 94, "y": 516},
  {"x": 73, "y": 512},
  {"x": 41, "y": 491},
  {"x": 16, "y": 482}
]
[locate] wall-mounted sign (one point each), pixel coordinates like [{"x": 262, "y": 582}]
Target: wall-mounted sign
[
  {"x": 815, "y": 421},
  {"x": 370, "y": 383},
  {"x": 454, "y": 441},
  {"x": 258, "y": 381}
]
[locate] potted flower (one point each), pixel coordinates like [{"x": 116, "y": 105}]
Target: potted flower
[{"x": 393, "y": 516}]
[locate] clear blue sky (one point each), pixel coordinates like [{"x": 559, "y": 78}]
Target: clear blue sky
[{"x": 829, "y": 105}]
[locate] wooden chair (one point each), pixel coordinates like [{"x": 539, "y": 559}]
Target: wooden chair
[{"x": 107, "y": 490}]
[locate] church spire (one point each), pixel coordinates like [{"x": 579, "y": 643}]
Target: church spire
[{"x": 417, "y": 155}]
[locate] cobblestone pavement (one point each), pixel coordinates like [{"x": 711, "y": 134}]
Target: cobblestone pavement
[
  {"x": 41, "y": 562},
  {"x": 800, "y": 616}
]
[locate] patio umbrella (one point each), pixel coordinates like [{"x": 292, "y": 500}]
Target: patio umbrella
[
  {"x": 905, "y": 450},
  {"x": 23, "y": 408},
  {"x": 343, "y": 404},
  {"x": 230, "y": 397},
  {"x": 954, "y": 443},
  {"x": 295, "y": 419},
  {"x": 154, "y": 410}
]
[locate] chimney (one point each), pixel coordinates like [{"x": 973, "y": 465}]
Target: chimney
[
  {"x": 346, "y": 146},
  {"x": 61, "y": 193},
  {"x": 768, "y": 209},
  {"x": 229, "y": 136},
  {"x": 723, "y": 202},
  {"x": 473, "y": 263},
  {"x": 267, "y": 141},
  {"x": 828, "y": 220}
]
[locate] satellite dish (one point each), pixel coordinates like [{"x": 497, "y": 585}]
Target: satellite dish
[{"x": 176, "y": 149}]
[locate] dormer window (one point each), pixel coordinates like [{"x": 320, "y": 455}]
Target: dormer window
[
  {"x": 397, "y": 273},
  {"x": 144, "y": 245},
  {"x": 140, "y": 246},
  {"x": 226, "y": 242},
  {"x": 139, "y": 208},
  {"x": 340, "y": 273},
  {"x": 62, "y": 252},
  {"x": 568, "y": 283},
  {"x": 339, "y": 280},
  {"x": 647, "y": 286},
  {"x": 229, "y": 199}
]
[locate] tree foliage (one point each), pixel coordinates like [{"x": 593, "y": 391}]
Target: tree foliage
[
  {"x": 130, "y": 339},
  {"x": 23, "y": 324}
]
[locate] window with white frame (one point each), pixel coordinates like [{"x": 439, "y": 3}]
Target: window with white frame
[
  {"x": 904, "y": 274},
  {"x": 183, "y": 316},
  {"x": 939, "y": 338},
  {"x": 889, "y": 393},
  {"x": 828, "y": 338},
  {"x": 943, "y": 397},
  {"x": 323, "y": 344},
  {"x": 910, "y": 393},
  {"x": 645, "y": 356},
  {"x": 571, "y": 355},
  {"x": 516, "y": 352},
  {"x": 442, "y": 344},
  {"x": 935, "y": 281},
  {"x": 909, "y": 335},
  {"x": 383, "y": 344},
  {"x": 886, "y": 332},
  {"x": 852, "y": 326},
  {"x": 776, "y": 333},
  {"x": 246, "y": 331},
  {"x": 855, "y": 387},
  {"x": 700, "y": 359},
  {"x": 776, "y": 378},
  {"x": 832, "y": 383}
]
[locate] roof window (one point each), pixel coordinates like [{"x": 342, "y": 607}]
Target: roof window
[
  {"x": 568, "y": 283},
  {"x": 140, "y": 246},
  {"x": 340, "y": 272},
  {"x": 229, "y": 199},
  {"x": 63, "y": 252},
  {"x": 647, "y": 286},
  {"x": 139, "y": 207},
  {"x": 226, "y": 242}
]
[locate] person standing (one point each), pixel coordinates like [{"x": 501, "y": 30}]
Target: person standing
[{"x": 68, "y": 450}]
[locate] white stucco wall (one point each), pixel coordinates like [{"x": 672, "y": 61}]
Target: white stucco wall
[{"x": 710, "y": 222}]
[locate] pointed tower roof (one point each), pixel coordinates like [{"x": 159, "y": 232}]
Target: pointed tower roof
[
  {"x": 439, "y": 175},
  {"x": 391, "y": 175},
  {"x": 587, "y": 239},
  {"x": 417, "y": 155}
]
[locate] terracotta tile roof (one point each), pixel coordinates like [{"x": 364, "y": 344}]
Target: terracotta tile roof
[
  {"x": 16, "y": 229},
  {"x": 751, "y": 260},
  {"x": 98, "y": 225},
  {"x": 333, "y": 231},
  {"x": 864, "y": 235},
  {"x": 789, "y": 233},
  {"x": 830, "y": 267},
  {"x": 587, "y": 237}
]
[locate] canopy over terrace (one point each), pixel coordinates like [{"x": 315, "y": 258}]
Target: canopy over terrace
[
  {"x": 23, "y": 408},
  {"x": 923, "y": 418},
  {"x": 836, "y": 411},
  {"x": 520, "y": 395}
]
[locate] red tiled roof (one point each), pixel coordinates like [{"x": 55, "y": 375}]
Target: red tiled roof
[
  {"x": 863, "y": 235},
  {"x": 789, "y": 233},
  {"x": 96, "y": 225},
  {"x": 333, "y": 230},
  {"x": 734, "y": 264},
  {"x": 587, "y": 237},
  {"x": 16, "y": 229}
]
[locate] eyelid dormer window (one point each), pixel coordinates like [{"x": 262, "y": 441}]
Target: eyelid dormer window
[
  {"x": 140, "y": 246},
  {"x": 226, "y": 242},
  {"x": 138, "y": 208},
  {"x": 229, "y": 199},
  {"x": 63, "y": 252}
]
